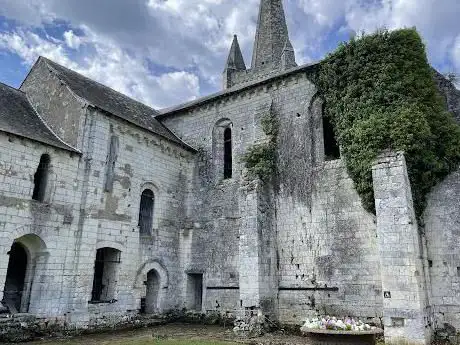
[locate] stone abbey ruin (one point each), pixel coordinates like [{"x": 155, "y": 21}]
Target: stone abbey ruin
[{"x": 109, "y": 208}]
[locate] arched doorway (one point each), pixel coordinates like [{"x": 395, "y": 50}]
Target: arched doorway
[
  {"x": 24, "y": 293},
  {"x": 153, "y": 289},
  {"x": 15, "y": 277}
]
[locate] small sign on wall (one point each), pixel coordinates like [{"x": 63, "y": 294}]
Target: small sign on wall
[{"x": 386, "y": 294}]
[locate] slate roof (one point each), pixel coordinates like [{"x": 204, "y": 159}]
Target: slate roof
[
  {"x": 17, "y": 116},
  {"x": 113, "y": 102}
]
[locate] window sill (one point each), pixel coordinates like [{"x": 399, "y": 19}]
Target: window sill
[
  {"x": 226, "y": 181},
  {"x": 103, "y": 302}
]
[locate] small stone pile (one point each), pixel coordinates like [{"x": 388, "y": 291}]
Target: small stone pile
[{"x": 250, "y": 326}]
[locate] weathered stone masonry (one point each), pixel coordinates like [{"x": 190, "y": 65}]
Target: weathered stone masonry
[{"x": 147, "y": 211}]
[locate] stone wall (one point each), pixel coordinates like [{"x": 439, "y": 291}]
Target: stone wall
[
  {"x": 328, "y": 257},
  {"x": 318, "y": 213},
  {"x": 213, "y": 237},
  {"x": 47, "y": 229},
  {"x": 450, "y": 93},
  {"x": 442, "y": 231},
  {"x": 62, "y": 234},
  {"x": 56, "y": 104},
  {"x": 405, "y": 307},
  {"x": 143, "y": 161}
]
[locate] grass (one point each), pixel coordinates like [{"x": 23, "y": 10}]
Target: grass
[
  {"x": 142, "y": 341},
  {"x": 184, "y": 342}
]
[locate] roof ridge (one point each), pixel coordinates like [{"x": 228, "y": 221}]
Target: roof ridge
[
  {"x": 94, "y": 81},
  {"x": 12, "y": 87}
]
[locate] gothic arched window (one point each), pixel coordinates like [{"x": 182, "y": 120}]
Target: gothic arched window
[
  {"x": 146, "y": 211},
  {"x": 227, "y": 153},
  {"x": 41, "y": 178}
]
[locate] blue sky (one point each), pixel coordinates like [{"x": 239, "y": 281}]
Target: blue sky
[{"x": 164, "y": 52}]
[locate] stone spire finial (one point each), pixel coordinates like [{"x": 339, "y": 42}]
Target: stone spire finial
[
  {"x": 271, "y": 34},
  {"x": 235, "y": 63},
  {"x": 235, "y": 58},
  {"x": 288, "y": 56}
]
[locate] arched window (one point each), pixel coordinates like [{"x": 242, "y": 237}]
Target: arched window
[
  {"x": 331, "y": 147},
  {"x": 41, "y": 178},
  {"x": 146, "y": 211},
  {"x": 227, "y": 153}
]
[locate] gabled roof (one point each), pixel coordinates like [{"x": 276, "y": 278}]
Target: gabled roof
[
  {"x": 17, "y": 116},
  {"x": 113, "y": 102}
]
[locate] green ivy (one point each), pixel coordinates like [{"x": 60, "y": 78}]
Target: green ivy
[
  {"x": 260, "y": 159},
  {"x": 380, "y": 94}
]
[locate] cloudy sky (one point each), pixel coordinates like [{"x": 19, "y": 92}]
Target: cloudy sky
[{"x": 164, "y": 52}]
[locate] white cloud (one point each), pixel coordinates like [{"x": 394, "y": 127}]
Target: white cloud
[
  {"x": 73, "y": 41},
  {"x": 456, "y": 52},
  {"x": 118, "y": 38},
  {"x": 109, "y": 65},
  {"x": 29, "y": 46},
  {"x": 325, "y": 12}
]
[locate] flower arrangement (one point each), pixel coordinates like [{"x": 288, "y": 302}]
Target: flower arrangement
[{"x": 333, "y": 323}]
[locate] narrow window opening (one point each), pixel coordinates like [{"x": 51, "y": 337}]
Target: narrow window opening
[
  {"x": 331, "y": 147},
  {"x": 228, "y": 153},
  {"x": 146, "y": 212},
  {"x": 195, "y": 291},
  {"x": 105, "y": 275},
  {"x": 41, "y": 178}
]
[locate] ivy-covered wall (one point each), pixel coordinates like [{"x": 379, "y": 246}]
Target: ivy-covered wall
[{"x": 380, "y": 94}]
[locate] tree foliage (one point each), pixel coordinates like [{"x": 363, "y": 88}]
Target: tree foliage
[{"x": 380, "y": 94}]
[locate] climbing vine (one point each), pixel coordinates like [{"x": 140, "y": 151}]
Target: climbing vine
[
  {"x": 260, "y": 159},
  {"x": 380, "y": 94}
]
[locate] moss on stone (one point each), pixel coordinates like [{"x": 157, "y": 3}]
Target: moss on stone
[{"x": 261, "y": 159}]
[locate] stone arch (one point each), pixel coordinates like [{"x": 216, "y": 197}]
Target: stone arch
[
  {"x": 218, "y": 145},
  {"x": 314, "y": 100},
  {"x": 22, "y": 231},
  {"x": 110, "y": 244},
  {"x": 148, "y": 270},
  {"x": 148, "y": 266},
  {"x": 21, "y": 283}
]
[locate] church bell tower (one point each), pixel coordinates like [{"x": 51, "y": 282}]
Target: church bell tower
[{"x": 273, "y": 51}]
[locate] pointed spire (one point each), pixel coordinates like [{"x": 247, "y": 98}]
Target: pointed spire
[
  {"x": 235, "y": 58},
  {"x": 271, "y": 34},
  {"x": 288, "y": 56}
]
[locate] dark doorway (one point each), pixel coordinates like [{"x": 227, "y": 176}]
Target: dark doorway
[
  {"x": 15, "y": 278},
  {"x": 153, "y": 289},
  {"x": 195, "y": 291},
  {"x": 331, "y": 147}
]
